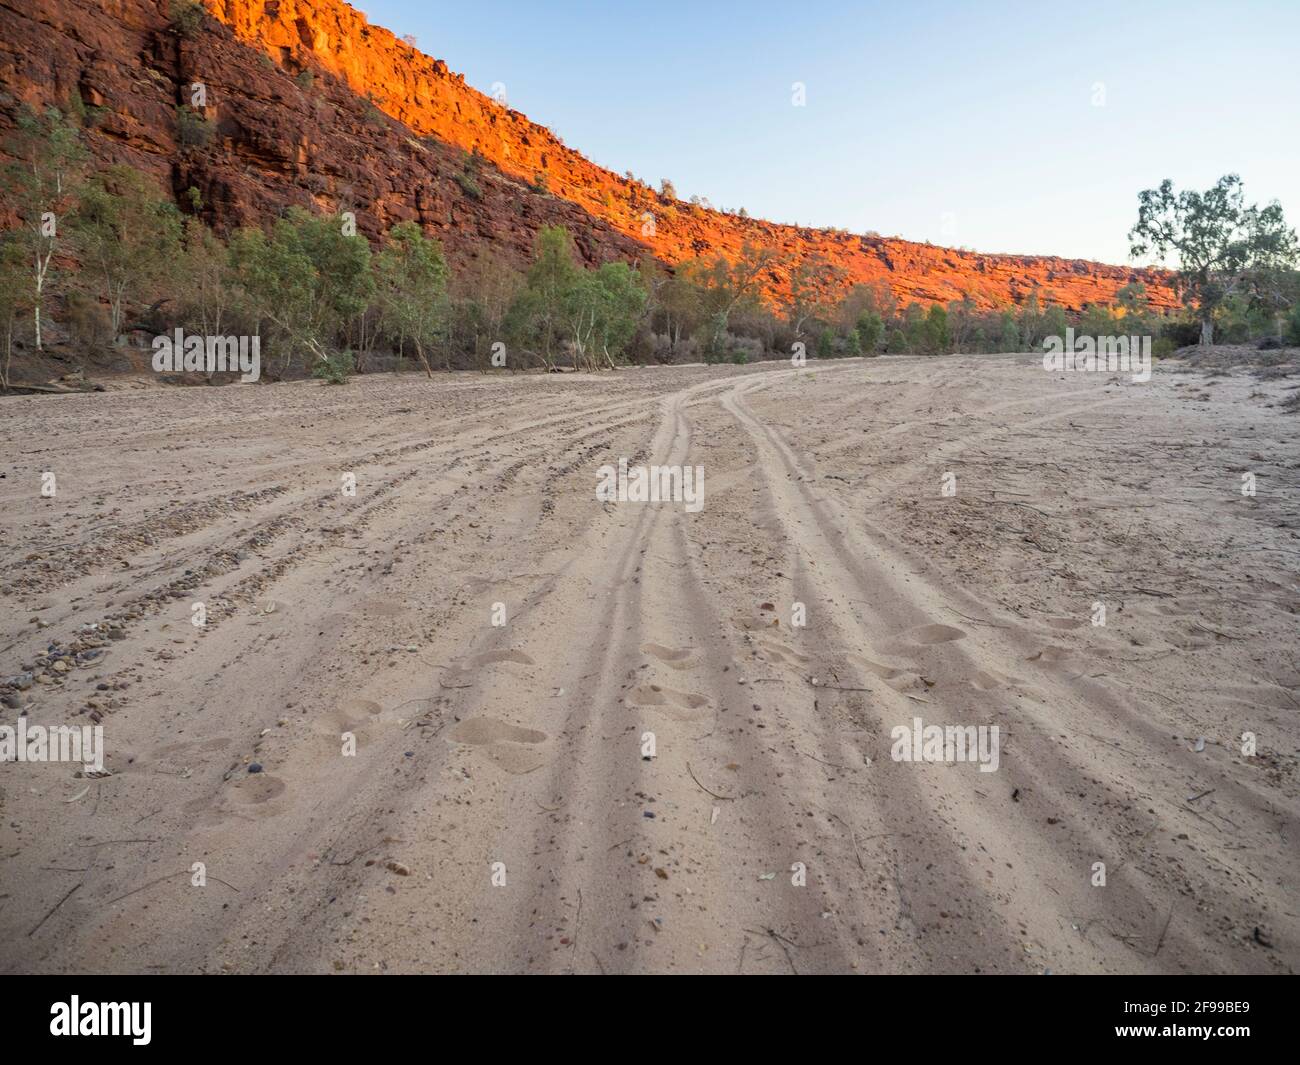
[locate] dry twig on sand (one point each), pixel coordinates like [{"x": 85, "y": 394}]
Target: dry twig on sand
[{"x": 724, "y": 798}]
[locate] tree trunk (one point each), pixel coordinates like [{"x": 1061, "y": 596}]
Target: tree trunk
[
  {"x": 419, "y": 350},
  {"x": 1207, "y": 330},
  {"x": 36, "y": 304},
  {"x": 115, "y": 314}
]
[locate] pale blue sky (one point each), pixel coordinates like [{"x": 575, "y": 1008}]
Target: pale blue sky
[{"x": 963, "y": 124}]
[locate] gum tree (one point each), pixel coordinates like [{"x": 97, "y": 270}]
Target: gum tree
[
  {"x": 40, "y": 186},
  {"x": 411, "y": 278},
  {"x": 682, "y": 307},
  {"x": 813, "y": 283},
  {"x": 206, "y": 279},
  {"x": 482, "y": 296},
  {"x": 127, "y": 235},
  {"x": 541, "y": 311},
  {"x": 601, "y": 310},
  {"x": 308, "y": 278},
  {"x": 725, "y": 285},
  {"x": 14, "y": 298},
  {"x": 625, "y": 297},
  {"x": 1222, "y": 245}
]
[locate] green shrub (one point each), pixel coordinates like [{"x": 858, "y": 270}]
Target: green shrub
[
  {"x": 305, "y": 80},
  {"x": 336, "y": 368},
  {"x": 82, "y": 114},
  {"x": 88, "y": 322},
  {"x": 193, "y": 130},
  {"x": 1293, "y": 326},
  {"x": 468, "y": 177},
  {"x": 826, "y": 344},
  {"x": 186, "y": 17},
  {"x": 1237, "y": 332},
  {"x": 870, "y": 328},
  {"x": 1180, "y": 333},
  {"x": 468, "y": 185}
]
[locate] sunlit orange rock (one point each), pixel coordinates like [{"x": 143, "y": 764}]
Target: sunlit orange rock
[{"x": 276, "y": 142}]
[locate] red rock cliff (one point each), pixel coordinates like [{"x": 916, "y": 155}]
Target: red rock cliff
[{"x": 278, "y": 142}]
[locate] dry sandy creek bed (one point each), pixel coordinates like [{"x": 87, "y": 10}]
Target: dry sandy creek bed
[{"x": 498, "y": 813}]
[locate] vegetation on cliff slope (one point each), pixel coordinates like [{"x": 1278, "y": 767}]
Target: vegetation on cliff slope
[{"x": 103, "y": 261}]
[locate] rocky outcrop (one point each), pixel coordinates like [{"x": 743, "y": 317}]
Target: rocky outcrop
[
  {"x": 309, "y": 103},
  {"x": 274, "y": 139}
]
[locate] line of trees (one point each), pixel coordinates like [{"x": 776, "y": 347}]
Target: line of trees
[
  {"x": 118, "y": 257},
  {"x": 106, "y": 243},
  {"x": 830, "y": 321}
]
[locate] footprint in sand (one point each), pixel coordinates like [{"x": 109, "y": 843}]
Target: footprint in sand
[
  {"x": 782, "y": 654},
  {"x": 984, "y": 682},
  {"x": 681, "y": 706},
  {"x": 383, "y": 607},
  {"x": 192, "y": 747},
  {"x": 882, "y": 671},
  {"x": 673, "y": 659},
  {"x": 482, "y": 730},
  {"x": 359, "y": 708},
  {"x": 901, "y": 680},
  {"x": 1062, "y": 624},
  {"x": 926, "y": 635},
  {"x": 508, "y": 746},
  {"x": 362, "y": 718},
  {"x": 492, "y": 658},
  {"x": 349, "y": 715},
  {"x": 253, "y": 789},
  {"x": 1052, "y": 656}
]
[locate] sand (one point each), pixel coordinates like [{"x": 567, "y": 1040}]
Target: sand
[{"x": 501, "y": 651}]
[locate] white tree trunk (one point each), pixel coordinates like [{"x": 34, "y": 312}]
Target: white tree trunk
[{"x": 36, "y": 310}]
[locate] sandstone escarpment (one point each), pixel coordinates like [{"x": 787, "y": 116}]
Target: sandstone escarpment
[
  {"x": 274, "y": 142},
  {"x": 383, "y": 129}
]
